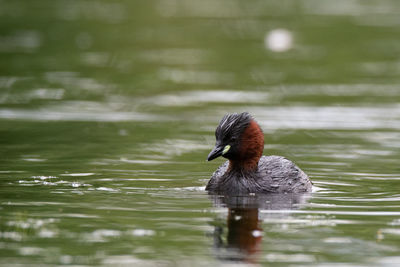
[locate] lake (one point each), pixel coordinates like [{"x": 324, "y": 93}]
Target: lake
[{"x": 108, "y": 111}]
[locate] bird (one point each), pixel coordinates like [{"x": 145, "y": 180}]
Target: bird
[{"x": 240, "y": 139}]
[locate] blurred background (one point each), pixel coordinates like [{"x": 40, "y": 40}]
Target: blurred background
[{"x": 107, "y": 114}]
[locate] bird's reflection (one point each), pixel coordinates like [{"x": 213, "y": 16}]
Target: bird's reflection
[{"x": 243, "y": 236}]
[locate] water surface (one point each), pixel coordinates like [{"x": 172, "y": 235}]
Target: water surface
[{"x": 107, "y": 113}]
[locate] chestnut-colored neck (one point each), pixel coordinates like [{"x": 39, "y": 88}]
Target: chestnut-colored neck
[{"x": 250, "y": 150}]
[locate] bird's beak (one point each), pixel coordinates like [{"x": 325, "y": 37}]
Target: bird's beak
[{"x": 216, "y": 152}]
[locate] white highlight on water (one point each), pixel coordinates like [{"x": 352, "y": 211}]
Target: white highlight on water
[{"x": 278, "y": 40}]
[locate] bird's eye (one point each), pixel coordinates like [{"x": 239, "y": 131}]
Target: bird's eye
[{"x": 233, "y": 140}]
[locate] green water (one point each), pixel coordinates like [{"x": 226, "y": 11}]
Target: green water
[{"x": 107, "y": 113}]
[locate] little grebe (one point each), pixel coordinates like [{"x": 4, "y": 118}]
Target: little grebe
[{"x": 240, "y": 139}]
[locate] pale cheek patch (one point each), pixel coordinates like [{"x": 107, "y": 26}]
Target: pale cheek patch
[{"x": 226, "y": 149}]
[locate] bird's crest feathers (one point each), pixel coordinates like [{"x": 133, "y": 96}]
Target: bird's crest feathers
[{"x": 232, "y": 125}]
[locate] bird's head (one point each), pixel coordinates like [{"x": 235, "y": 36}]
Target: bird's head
[{"x": 238, "y": 138}]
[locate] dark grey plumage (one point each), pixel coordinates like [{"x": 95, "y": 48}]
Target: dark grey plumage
[
  {"x": 275, "y": 174},
  {"x": 232, "y": 125}
]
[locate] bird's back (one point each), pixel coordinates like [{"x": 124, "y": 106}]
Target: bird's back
[{"x": 275, "y": 174}]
